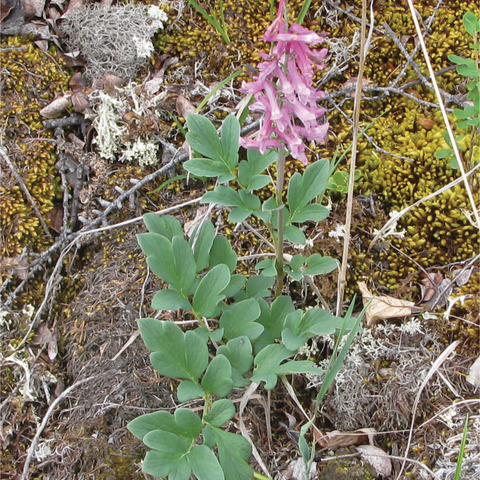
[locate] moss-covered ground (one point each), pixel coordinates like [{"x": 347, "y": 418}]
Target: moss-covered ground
[{"x": 73, "y": 284}]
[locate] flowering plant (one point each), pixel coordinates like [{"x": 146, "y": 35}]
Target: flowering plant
[
  {"x": 248, "y": 333},
  {"x": 284, "y": 92}
]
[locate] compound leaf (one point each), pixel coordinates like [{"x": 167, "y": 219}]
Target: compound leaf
[
  {"x": 230, "y": 135},
  {"x": 233, "y": 453},
  {"x": 218, "y": 377},
  {"x": 175, "y": 354},
  {"x": 267, "y": 362},
  {"x": 164, "y": 225},
  {"x": 169, "y": 299},
  {"x": 239, "y": 319},
  {"x": 188, "y": 390},
  {"x": 221, "y": 412},
  {"x": 222, "y": 252},
  {"x": 209, "y": 291},
  {"x": 202, "y": 137},
  {"x": 204, "y": 463}
]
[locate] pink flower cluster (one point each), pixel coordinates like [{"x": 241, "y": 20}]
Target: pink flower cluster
[{"x": 283, "y": 89}]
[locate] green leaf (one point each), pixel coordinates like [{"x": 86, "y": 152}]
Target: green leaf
[
  {"x": 469, "y": 70},
  {"x": 233, "y": 453},
  {"x": 302, "y": 189},
  {"x": 239, "y": 214},
  {"x": 258, "y": 286},
  {"x": 175, "y": 354},
  {"x": 267, "y": 363},
  {"x": 320, "y": 322},
  {"x": 293, "y": 341},
  {"x": 239, "y": 354},
  {"x": 154, "y": 244},
  {"x": 209, "y": 290},
  {"x": 462, "y": 61},
  {"x": 204, "y": 463},
  {"x": 205, "y": 167},
  {"x": 172, "y": 262},
  {"x": 239, "y": 319},
  {"x": 273, "y": 319},
  {"x": 446, "y": 152},
  {"x": 201, "y": 242},
  {"x": 149, "y": 422},
  {"x": 188, "y": 390},
  {"x": 249, "y": 200},
  {"x": 295, "y": 267},
  {"x": 218, "y": 377},
  {"x": 319, "y": 265},
  {"x": 471, "y": 23},
  {"x": 168, "y": 443},
  {"x": 293, "y": 336},
  {"x": 223, "y": 253},
  {"x": 169, "y": 299},
  {"x": 313, "y": 212},
  {"x": 188, "y": 422},
  {"x": 202, "y": 137},
  {"x": 216, "y": 335},
  {"x": 267, "y": 267},
  {"x": 294, "y": 234},
  {"x": 298, "y": 366},
  {"x": 221, "y": 412},
  {"x": 223, "y": 195},
  {"x": 230, "y": 135},
  {"x": 237, "y": 281},
  {"x": 164, "y": 225},
  {"x": 157, "y": 463},
  {"x": 248, "y": 171},
  {"x": 180, "y": 470}
]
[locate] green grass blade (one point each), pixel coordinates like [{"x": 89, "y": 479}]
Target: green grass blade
[
  {"x": 303, "y": 11},
  {"x": 461, "y": 453},
  {"x": 216, "y": 89}
]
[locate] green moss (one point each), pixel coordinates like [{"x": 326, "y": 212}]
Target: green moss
[{"x": 32, "y": 79}]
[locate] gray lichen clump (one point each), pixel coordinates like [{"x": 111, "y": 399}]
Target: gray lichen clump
[{"x": 115, "y": 39}]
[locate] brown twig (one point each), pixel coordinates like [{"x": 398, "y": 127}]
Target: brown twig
[{"x": 342, "y": 276}]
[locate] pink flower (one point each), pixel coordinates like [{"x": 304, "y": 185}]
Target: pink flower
[{"x": 283, "y": 89}]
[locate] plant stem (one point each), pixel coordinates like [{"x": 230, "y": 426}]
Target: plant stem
[
  {"x": 279, "y": 237},
  {"x": 259, "y": 476}
]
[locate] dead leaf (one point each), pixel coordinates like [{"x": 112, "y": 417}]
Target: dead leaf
[
  {"x": 77, "y": 83},
  {"x": 430, "y": 285},
  {"x": 42, "y": 45},
  {"x": 80, "y": 102},
  {"x": 377, "y": 458},
  {"x": 296, "y": 470},
  {"x": 44, "y": 336},
  {"x": 383, "y": 307},
  {"x": 111, "y": 82},
  {"x": 73, "y": 6},
  {"x": 351, "y": 83},
  {"x": 55, "y": 217},
  {"x": 55, "y": 108},
  {"x": 473, "y": 376},
  {"x": 184, "y": 107},
  {"x": 33, "y": 8},
  {"x": 12, "y": 16},
  {"x": 426, "y": 123},
  {"x": 15, "y": 266},
  {"x": 462, "y": 276},
  {"x": 6, "y": 6},
  {"x": 336, "y": 439},
  {"x": 200, "y": 214}
]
